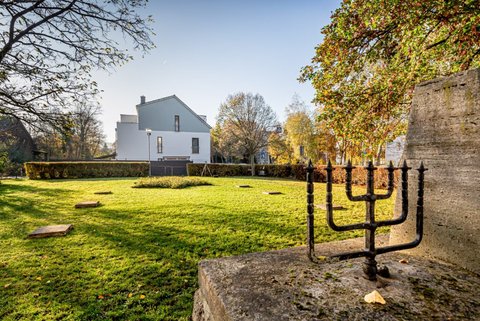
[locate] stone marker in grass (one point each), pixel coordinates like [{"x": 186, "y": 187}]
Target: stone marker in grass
[
  {"x": 272, "y": 193},
  {"x": 87, "y": 204},
  {"x": 334, "y": 207},
  {"x": 103, "y": 192},
  {"x": 51, "y": 230},
  {"x": 243, "y": 186}
]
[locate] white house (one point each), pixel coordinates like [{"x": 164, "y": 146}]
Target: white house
[{"x": 163, "y": 129}]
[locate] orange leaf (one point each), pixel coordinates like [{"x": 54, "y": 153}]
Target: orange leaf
[{"x": 374, "y": 297}]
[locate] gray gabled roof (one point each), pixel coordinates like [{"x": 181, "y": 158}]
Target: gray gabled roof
[{"x": 179, "y": 100}]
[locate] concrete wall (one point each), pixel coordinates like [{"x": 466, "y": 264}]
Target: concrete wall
[
  {"x": 444, "y": 132},
  {"x": 128, "y": 118}
]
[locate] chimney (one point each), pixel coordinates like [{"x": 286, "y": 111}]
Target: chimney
[{"x": 142, "y": 100}]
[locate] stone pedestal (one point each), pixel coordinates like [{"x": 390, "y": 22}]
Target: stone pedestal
[
  {"x": 444, "y": 132},
  {"x": 285, "y": 286}
]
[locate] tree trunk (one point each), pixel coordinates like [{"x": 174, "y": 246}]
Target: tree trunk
[
  {"x": 252, "y": 163},
  {"x": 379, "y": 154}
]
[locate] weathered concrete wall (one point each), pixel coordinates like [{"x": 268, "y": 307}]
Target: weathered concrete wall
[{"x": 444, "y": 132}]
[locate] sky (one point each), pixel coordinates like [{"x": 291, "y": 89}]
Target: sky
[{"x": 209, "y": 49}]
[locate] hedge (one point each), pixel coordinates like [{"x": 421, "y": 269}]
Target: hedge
[
  {"x": 51, "y": 170},
  {"x": 359, "y": 174}
]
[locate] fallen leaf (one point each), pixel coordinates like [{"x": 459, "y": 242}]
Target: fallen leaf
[
  {"x": 142, "y": 297},
  {"x": 39, "y": 278},
  {"x": 7, "y": 285},
  {"x": 130, "y": 295},
  {"x": 374, "y": 297},
  {"x": 403, "y": 261},
  {"x": 101, "y": 297}
]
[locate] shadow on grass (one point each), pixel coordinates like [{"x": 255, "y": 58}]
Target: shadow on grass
[
  {"x": 100, "y": 179},
  {"x": 111, "y": 261},
  {"x": 17, "y": 212},
  {"x": 6, "y": 189}
]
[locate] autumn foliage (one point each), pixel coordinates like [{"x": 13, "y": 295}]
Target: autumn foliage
[{"x": 373, "y": 54}]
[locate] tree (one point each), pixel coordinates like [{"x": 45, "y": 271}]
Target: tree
[
  {"x": 279, "y": 149},
  {"x": 224, "y": 144},
  {"x": 299, "y": 130},
  {"x": 372, "y": 55},
  {"x": 80, "y": 138},
  {"x": 249, "y": 120},
  {"x": 4, "y": 162},
  {"x": 87, "y": 130},
  {"x": 305, "y": 134},
  {"x": 49, "y": 48}
]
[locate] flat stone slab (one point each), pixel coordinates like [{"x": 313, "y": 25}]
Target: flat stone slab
[
  {"x": 286, "y": 286},
  {"x": 103, "y": 192},
  {"x": 51, "y": 230},
  {"x": 87, "y": 204},
  {"x": 243, "y": 186},
  {"x": 272, "y": 193},
  {"x": 334, "y": 207}
]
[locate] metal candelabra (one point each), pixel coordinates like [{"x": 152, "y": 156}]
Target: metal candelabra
[{"x": 370, "y": 224}]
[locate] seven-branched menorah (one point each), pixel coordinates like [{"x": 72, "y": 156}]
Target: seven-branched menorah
[{"x": 370, "y": 224}]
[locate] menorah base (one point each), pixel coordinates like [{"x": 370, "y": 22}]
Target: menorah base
[{"x": 370, "y": 269}]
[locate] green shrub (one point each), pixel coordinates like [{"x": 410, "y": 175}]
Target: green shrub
[
  {"x": 298, "y": 171},
  {"x": 52, "y": 170},
  {"x": 169, "y": 182},
  {"x": 219, "y": 169}
]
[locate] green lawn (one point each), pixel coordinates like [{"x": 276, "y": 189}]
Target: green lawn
[{"x": 136, "y": 256}]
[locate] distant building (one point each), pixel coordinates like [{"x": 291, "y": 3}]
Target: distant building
[
  {"x": 16, "y": 140},
  {"x": 394, "y": 150},
  {"x": 171, "y": 129}
]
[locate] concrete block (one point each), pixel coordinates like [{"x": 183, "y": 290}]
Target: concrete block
[
  {"x": 51, "y": 230},
  {"x": 87, "y": 204},
  {"x": 444, "y": 132}
]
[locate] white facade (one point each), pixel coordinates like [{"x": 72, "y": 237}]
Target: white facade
[
  {"x": 174, "y": 131},
  {"x": 394, "y": 150}
]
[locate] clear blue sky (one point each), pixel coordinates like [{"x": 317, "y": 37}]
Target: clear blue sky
[{"x": 208, "y": 49}]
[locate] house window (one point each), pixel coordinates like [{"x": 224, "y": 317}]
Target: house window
[
  {"x": 195, "y": 145},
  {"x": 159, "y": 145},
  {"x": 302, "y": 151},
  {"x": 177, "y": 123}
]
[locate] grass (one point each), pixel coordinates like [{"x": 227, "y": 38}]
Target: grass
[
  {"x": 135, "y": 257},
  {"x": 170, "y": 182}
]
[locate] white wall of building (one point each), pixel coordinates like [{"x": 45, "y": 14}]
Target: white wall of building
[
  {"x": 132, "y": 144},
  {"x": 394, "y": 150}
]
